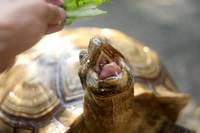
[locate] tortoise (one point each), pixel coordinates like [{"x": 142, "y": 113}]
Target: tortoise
[{"x": 123, "y": 87}]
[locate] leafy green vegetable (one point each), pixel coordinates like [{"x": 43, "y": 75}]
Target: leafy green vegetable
[{"x": 82, "y": 8}]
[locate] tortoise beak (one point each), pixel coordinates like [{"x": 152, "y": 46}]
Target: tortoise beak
[{"x": 104, "y": 58}]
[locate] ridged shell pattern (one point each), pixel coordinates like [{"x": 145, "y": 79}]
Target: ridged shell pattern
[{"x": 27, "y": 96}]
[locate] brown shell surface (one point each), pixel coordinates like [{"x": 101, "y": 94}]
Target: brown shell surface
[{"x": 42, "y": 92}]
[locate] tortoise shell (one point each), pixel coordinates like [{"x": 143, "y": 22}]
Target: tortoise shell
[{"x": 42, "y": 92}]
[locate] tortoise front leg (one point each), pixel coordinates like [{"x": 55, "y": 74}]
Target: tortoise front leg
[
  {"x": 78, "y": 126},
  {"x": 171, "y": 128}
]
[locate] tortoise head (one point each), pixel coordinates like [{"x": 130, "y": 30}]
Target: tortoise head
[{"x": 104, "y": 71}]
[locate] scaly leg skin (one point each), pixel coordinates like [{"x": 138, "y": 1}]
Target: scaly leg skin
[
  {"x": 78, "y": 126},
  {"x": 170, "y": 128}
]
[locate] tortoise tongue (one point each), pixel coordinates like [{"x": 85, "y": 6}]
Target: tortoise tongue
[{"x": 109, "y": 70}]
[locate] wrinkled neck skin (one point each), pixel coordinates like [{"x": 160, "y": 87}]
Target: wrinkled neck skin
[{"x": 109, "y": 115}]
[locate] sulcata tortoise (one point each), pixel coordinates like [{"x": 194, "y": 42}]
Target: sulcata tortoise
[{"x": 124, "y": 87}]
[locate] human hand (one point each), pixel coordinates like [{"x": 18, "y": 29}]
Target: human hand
[{"x": 24, "y": 22}]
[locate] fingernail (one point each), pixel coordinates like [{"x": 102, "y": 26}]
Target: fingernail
[
  {"x": 55, "y": 2},
  {"x": 62, "y": 14}
]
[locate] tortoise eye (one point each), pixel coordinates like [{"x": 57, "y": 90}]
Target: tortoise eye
[{"x": 83, "y": 54}]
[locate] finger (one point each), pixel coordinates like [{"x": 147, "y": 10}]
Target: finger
[
  {"x": 56, "y": 14},
  {"x": 56, "y": 2},
  {"x": 54, "y": 28}
]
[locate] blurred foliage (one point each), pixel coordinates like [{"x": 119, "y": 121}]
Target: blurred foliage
[{"x": 82, "y": 8}]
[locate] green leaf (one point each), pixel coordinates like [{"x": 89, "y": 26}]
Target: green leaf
[
  {"x": 70, "y": 20},
  {"x": 86, "y": 11},
  {"x": 82, "y": 8},
  {"x": 74, "y": 4}
]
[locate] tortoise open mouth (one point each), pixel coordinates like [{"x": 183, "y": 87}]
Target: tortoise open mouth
[
  {"x": 105, "y": 68},
  {"x": 111, "y": 73},
  {"x": 108, "y": 67}
]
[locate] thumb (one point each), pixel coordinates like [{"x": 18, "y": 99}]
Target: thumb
[{"x": 56, "y": 15}]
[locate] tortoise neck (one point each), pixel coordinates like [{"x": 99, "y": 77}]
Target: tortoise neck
[{"x": 108, "y": 114}]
